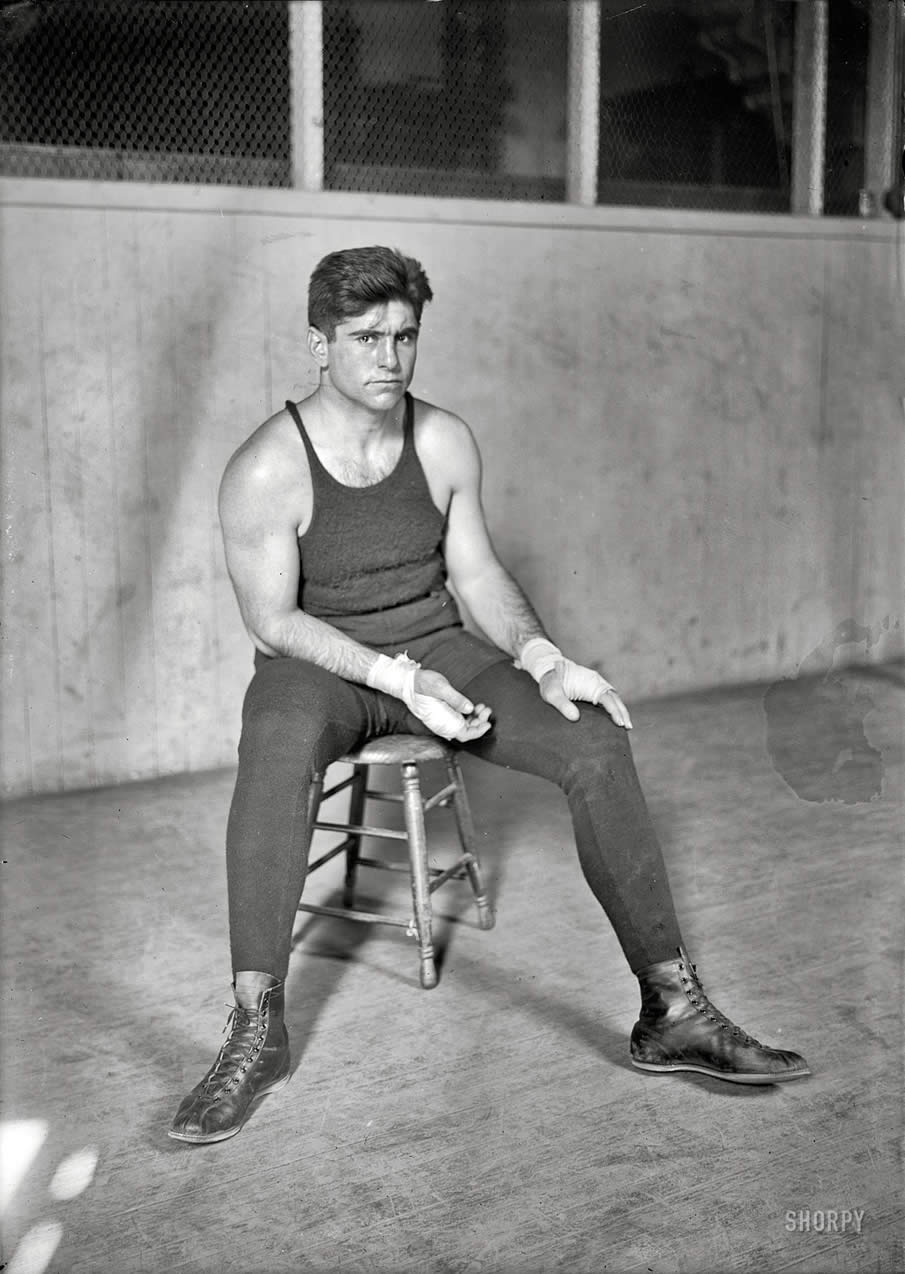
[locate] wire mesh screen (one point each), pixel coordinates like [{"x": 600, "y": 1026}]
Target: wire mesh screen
[
  {"x": 189, "y": 91},
  {"x": 696, "y": 103},
  {"x": 465, "y": 98}
]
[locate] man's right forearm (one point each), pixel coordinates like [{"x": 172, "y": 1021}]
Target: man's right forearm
[
  {"x": 439, "y": 706},
  {"x": 301, "y": 636}
]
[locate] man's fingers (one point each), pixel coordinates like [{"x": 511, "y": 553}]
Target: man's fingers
[
  {"x": 473, "y": 728},
  {"x": 552, "y": 692},
  {"x": 616, "y": 708},
  {"x": 448, "y": 695},
  {"x": 436, "y": 685},
  {"x": 476, "y": 724},
  {"x": 436, "y": 711}
]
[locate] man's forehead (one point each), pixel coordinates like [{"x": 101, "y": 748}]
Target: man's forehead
[{"x": 389, "y": 315}]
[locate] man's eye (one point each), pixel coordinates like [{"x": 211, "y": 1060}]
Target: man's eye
[{"x": 365, "y": 338}]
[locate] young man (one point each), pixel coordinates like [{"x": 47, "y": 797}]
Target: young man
[{"x": 343, "y": 519}]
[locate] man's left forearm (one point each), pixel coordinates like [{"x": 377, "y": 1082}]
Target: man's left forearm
[{"x": 501, "y": 610}]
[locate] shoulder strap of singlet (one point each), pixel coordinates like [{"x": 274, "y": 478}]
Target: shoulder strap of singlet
[
  {"x": 309, "y": 446},
  {"x": 408, "y": 423}
]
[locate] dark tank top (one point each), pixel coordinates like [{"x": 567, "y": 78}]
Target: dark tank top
[{"x": 371, "y": 559}]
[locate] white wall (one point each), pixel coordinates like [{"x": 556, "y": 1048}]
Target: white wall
[{"x": 692, "y": 429}]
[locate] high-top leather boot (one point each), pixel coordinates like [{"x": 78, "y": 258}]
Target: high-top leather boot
[
  {"x": 680, "y": 1030},
  {"x": 253, "y": 1061}
]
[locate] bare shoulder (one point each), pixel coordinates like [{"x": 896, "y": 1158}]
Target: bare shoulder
[
  {"x": 444, "y": 440},
  {"x": 267, "y": 475}
]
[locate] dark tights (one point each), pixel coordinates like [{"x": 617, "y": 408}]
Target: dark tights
[{"x": 297, "y": 718}]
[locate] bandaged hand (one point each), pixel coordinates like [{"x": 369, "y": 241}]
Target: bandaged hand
[
  {"x": 430, "y": 698},
  {"x": 563, "y": 683}
]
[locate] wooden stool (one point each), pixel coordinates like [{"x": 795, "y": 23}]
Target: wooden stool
[{"x": 406, "y": 751}]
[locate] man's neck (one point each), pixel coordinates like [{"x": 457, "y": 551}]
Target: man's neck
[{"x": 345, "y": 422}]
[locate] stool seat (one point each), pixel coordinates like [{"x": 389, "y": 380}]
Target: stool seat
[
  {"x": 397, "y": 749},
  {"x": 405, "y": 751}
]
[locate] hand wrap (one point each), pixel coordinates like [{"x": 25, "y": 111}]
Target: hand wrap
[
  {"x": 397, "y": 677},
  {"x": 539, "y": 656}
]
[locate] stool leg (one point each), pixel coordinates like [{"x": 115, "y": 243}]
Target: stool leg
[
  {"x": 462, "y": 812},
  {"x": 413, "y": 808},
  {"x": 314, "y": 803},
  {"x": 356, "y": 816}
]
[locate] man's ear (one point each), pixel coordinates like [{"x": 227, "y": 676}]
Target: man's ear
[{"x": 317, "y": 346}]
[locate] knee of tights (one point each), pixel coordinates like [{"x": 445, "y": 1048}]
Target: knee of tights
[
  {"x": 600, "y": 768},
  {"x": 271, "y": 729}
]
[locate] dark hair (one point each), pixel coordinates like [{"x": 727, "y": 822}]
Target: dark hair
[{"x": 345, "y": 284}]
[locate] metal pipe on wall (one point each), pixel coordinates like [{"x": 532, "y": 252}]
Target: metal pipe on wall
[
  {"x": 306, "y": 89},
  {"x": 583, "y": 118},
  {"x": 809, "y": 113}
]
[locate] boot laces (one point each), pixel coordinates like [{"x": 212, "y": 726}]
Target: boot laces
[
  {"x": 236, "y": 1053},
  {"x": 698, "y": 997}
]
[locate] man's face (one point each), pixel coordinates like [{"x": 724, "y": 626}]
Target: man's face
[{"x": 371, "y": 359}]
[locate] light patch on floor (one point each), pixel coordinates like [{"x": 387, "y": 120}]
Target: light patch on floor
[
  {"x": 20, "y": 1142},
  {"x": 35, "y": 1252}
]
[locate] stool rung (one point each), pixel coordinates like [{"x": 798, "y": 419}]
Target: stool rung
[
  {"x": 342, "y": 914},
  {"x": 455, "y": 872},
  {"x": 396, "y": 798},
  {"x": 331, "y": 853},
  {"x": 439, "y": 797},
  {"x": 385, "y": 833},
  {"x": 380, "y": 865},
  {"x": 337, "y": 787}
]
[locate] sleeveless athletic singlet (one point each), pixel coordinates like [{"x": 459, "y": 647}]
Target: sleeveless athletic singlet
[{"x": 371, "y": 560}]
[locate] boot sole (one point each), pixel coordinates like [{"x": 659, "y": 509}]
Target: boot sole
[
  {"x": 206, "y": 1139},
  {"x": 732, "y": 1077}
]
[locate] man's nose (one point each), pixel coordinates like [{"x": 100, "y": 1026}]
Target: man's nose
[{"x": 388, "y": 353}]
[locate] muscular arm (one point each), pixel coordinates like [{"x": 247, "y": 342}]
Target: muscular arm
[
  {"x": 259, "y": 518},
  {"x": 494, "y": 599}
]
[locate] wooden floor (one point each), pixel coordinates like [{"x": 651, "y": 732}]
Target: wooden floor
[{"x": 493, "y": 1124}]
